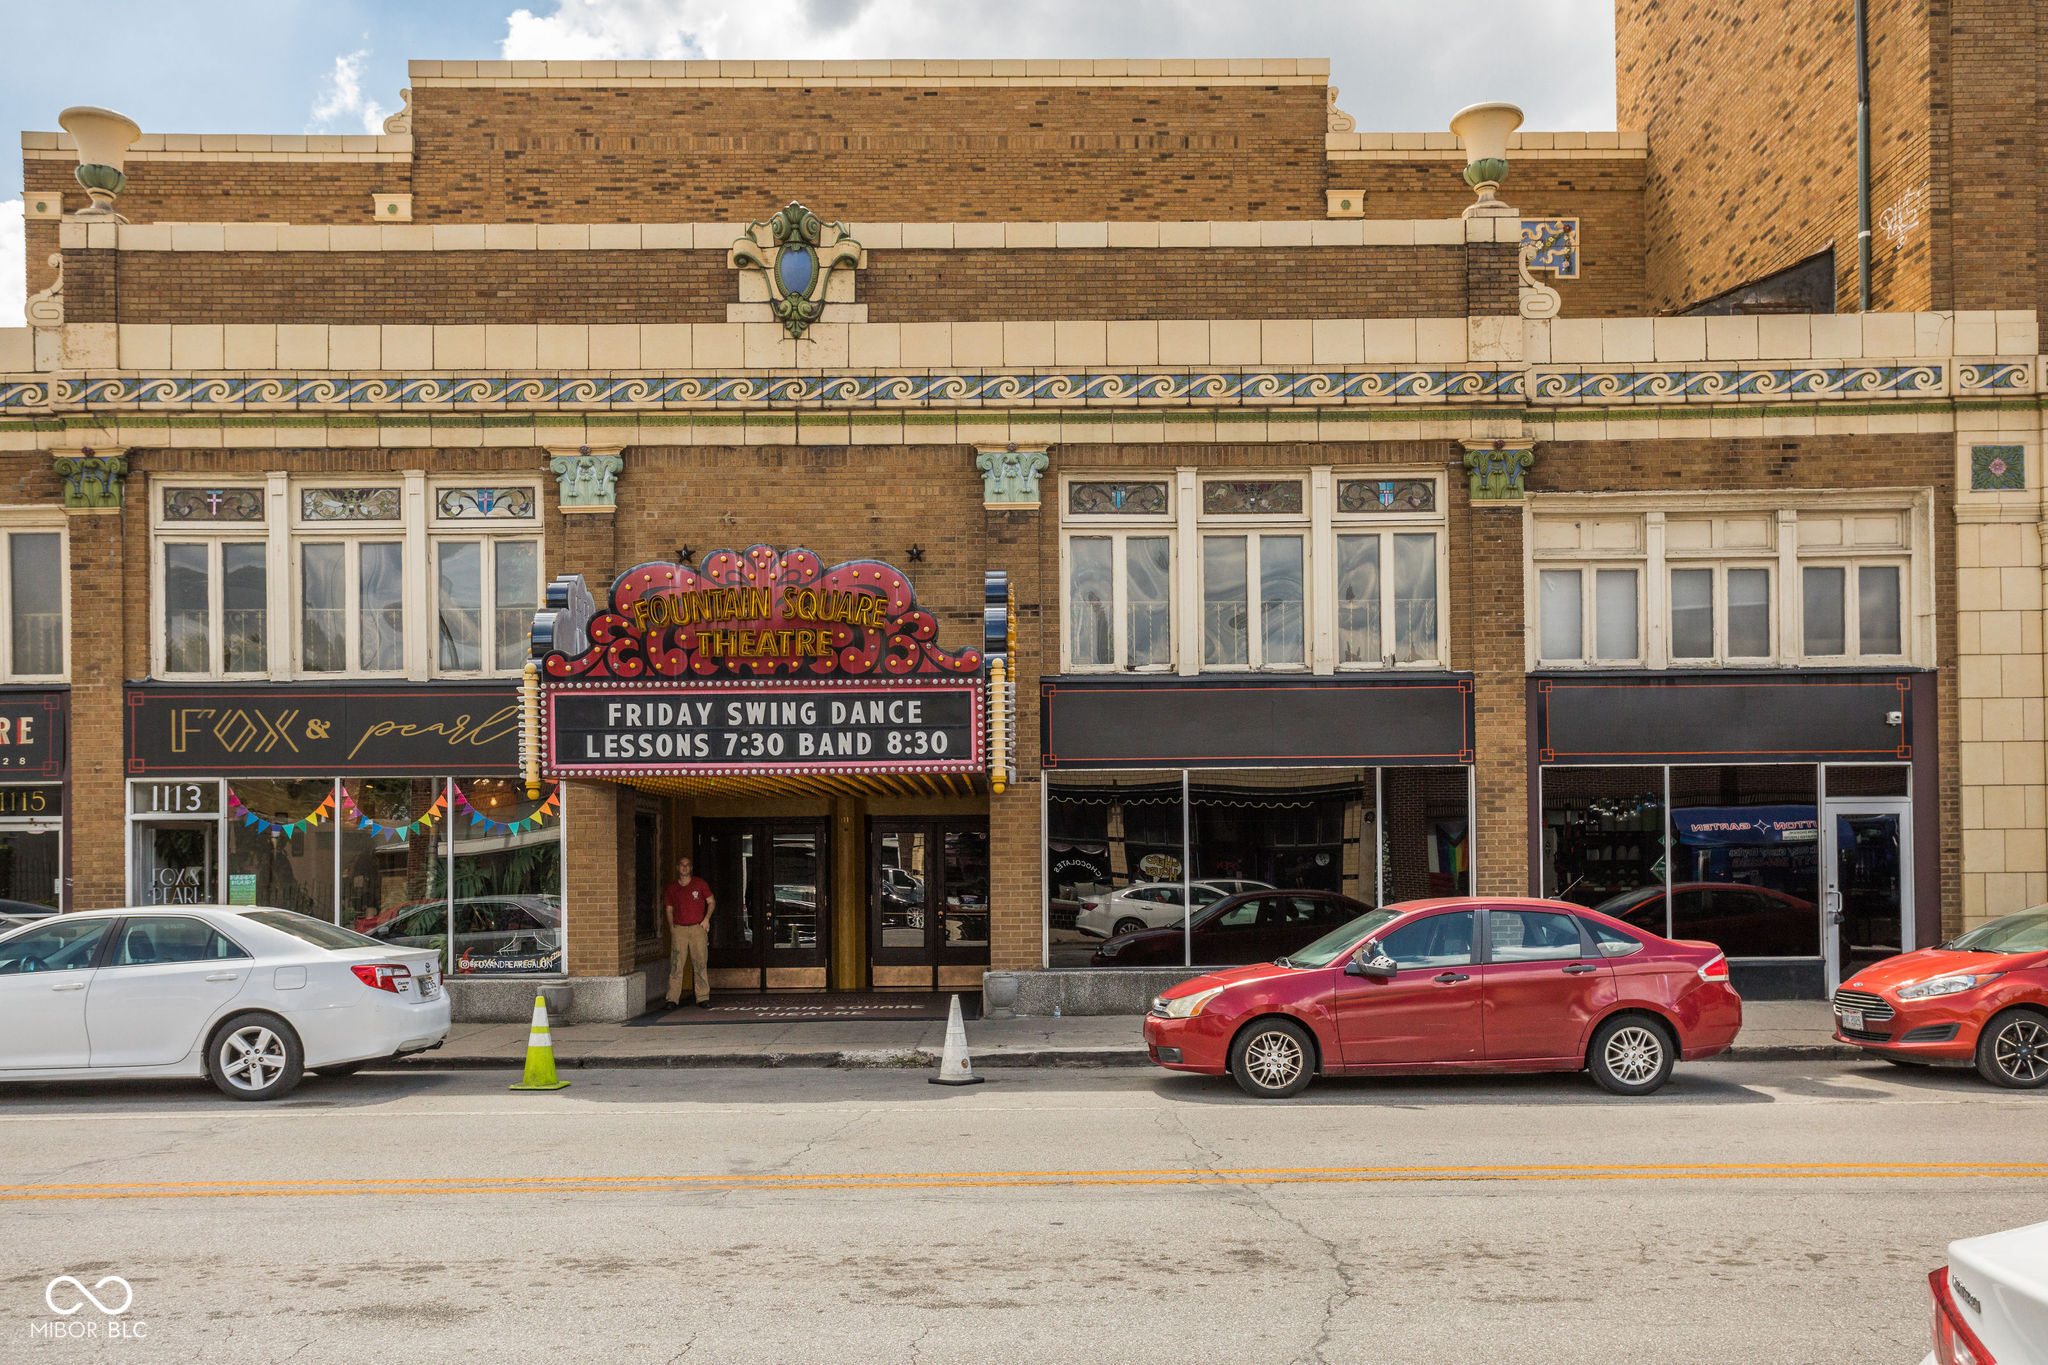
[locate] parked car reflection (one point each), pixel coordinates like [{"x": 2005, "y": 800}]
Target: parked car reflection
[
  {"x": 1257, "y": 926},
  {"x": 1742, "y": 921},
  {"x": 492, "y": 933}
]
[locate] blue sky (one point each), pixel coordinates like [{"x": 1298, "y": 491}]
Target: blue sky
[{"x": 287, "y": 66}]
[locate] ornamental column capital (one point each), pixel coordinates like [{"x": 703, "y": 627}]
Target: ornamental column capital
[
  {"x": 587, "y": 476},
  {"x": 93, "y": 476},
  {"x": 1010, "y": 475},
  {"x": 1496, "y": 467}
]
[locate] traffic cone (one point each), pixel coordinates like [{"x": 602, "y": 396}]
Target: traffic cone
[
  {"x": 540, "y": 1053},
  {"x": 954, "y": 1066}
]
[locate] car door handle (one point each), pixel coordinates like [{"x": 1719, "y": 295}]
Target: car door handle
[
  {"x": 224, "y": 976},
  {"x": 1447, "y": 978},
  {"x": 74, "y": 986},
  {"x": 1580, "y": 968}
]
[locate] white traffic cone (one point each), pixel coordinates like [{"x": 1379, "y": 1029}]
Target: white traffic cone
[{"x": 954, "y": 1066}]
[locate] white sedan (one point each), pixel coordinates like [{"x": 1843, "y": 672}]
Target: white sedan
[
  {"x": 1991, "y": 1300},
  {"x": 247, "y": 997},
  {"x": 1151, "y": 905}
]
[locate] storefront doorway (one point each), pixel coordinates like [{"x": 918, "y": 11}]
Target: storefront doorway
[
  {"x": 773, "y": 884},
  {"x": 1867, "y": 868},
  {"x": 174, "y": 863},
  {"x": 928, "y": 902}
]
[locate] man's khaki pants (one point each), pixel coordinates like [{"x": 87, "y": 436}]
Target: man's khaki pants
[{"x": 689, "y": 945}]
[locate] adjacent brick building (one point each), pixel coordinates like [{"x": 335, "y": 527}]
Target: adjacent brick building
[{"x": 1243, "y": 513}]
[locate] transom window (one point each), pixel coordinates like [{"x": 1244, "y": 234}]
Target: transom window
[
  {"x": 1308, "y": 571},
  {"x": 277, "y": 579},
  {"x": 1796, "y": 580}
]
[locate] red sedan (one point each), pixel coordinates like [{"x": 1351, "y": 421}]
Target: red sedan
[
  {"x": 1981, "y": 998},
  {"x": 1456, "y": 985}
]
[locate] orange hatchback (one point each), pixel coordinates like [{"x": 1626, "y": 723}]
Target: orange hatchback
[{"x": 1981, "y": 998}]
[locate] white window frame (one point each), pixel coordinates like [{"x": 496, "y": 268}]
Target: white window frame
[
  {"x": 1118, "y": 528},
  {"x": 1589, "y": 610},
  {"x": 352, "y": 605},
  {"x": 490, "y": 542},
  {"x": 1251, "y": 527},
  {"x": 1852, "y": 605},
  {"x": 34, "y": 521},
  {"x": 285, "y": 530},
  {"x": 1786, "y": 560},
  {"x": 213, "y": 535},
  {"x": 1386, "y": 525},
  {"x": 1719, "y": 566}
]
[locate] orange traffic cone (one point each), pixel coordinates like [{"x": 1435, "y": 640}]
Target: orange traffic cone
[{"x": 540, "y": 1053}]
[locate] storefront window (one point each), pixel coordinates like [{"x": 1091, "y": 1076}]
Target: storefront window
[
  {"x": 391, "y": 847},
  {"x": 507, "y": 877},
  {"x": 31, "y": 864},
  {"x": 1603, "y": 841},
  {"x": 280, "y": 844},
  {"x": 1274, "y": 858},
  {"x": 1745, "y": 872},
  {"x": 1427, "y": 829}
]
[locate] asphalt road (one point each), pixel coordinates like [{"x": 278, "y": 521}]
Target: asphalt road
[{"x": 1751, "y": 1212}]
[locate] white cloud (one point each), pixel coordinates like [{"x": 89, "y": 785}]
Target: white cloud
[
  {"x": 1401, "y": 66},
  {"x": 341, "y": 97},
  {"x": 13, "y": 263}
]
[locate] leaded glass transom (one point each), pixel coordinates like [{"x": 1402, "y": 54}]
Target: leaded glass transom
[
  {"x": 1251, "y": 497},
  {"x": 1112, "y": 498},
  {"x": 213, "y": 504},
  {"x": 1386, "y": 495},
  {"x": 481, "y": 504},
  {"x": 349, "y": 504}
]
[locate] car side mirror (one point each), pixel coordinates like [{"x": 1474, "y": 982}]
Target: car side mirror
[{"x": 1371, "y": 961}]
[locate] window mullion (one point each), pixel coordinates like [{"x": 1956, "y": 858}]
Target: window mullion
[
  {"x": 1119, "y": 596},
  {"x": 1389, "y": 646}
]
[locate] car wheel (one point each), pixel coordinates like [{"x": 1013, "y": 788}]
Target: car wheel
[
  {"x": 339, "y": 1070},
  {"x": 1129, "y": 924},
  {"x": 1631, "y": 1055},
  {"x": 255, "y": 1057},
  {"x": 1273, "y": 1059},
  {"x": 2012, "y": 1051}
]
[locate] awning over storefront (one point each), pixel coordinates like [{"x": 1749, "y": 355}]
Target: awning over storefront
[{"x": 1415, "y": 720}]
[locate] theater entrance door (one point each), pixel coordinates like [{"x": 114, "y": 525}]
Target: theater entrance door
[{"x": 772, "y": 881}]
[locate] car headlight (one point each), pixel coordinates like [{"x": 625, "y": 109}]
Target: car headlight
[
  {"x": 1107, "y": 950},
  {"x": 1185, "y": 1006},
  {"x": 1946, "y": 985}
]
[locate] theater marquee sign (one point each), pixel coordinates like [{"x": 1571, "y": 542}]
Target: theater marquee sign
[{"x": 756, "y": 663}]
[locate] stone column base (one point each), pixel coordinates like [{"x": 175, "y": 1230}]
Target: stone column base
[{"x": 571, "y": 1000}]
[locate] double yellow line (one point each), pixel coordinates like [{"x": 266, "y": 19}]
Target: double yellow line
[{"x": 933, "y": 1180}]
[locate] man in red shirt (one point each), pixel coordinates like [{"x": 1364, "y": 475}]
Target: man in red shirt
[{"x": 689, "y": 903}]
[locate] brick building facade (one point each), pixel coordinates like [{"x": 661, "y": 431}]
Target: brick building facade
[{"x": 1344, "y": 540}]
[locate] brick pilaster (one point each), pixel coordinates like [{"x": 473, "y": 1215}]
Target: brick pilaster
[
  {"x": 97, "y": 800},
  {"x": 1500, "y": 844}
]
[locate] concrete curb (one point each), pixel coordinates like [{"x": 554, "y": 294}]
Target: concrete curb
[{"x": 873, "y": 1059}]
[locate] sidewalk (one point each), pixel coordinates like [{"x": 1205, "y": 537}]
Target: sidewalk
[{"x": 1774, "y": 1030}]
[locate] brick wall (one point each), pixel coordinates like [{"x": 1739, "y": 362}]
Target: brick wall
[
  {"x": 1606, "y": 196},
  {"x": 472, "y": 287},
  {"x": 886, "y": 154},
  {"x": 1751, "y": 115},
  {"x": 1990, "y": 211}
]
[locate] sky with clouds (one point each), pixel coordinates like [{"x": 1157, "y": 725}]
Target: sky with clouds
[{"x": 336, "y": 66}]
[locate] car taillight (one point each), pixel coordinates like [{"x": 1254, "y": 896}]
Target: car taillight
[
  {"x": 384, "y": 976},
  {"x": 1954, "y": 1342},
  {"x": 1715, "y": 968}
]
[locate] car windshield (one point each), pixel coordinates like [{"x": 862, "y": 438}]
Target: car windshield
[
  {"x": 1620, "y": 905},
  {"x": 317, "y": 932},
  {"x": 2026, "y": 932},
  {"x": 1332, "y": 945}
]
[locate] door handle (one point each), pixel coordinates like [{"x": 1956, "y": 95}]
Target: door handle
[
  {"x": 75, "y": 986},
  {"x": 1580, "y": 969},
  {"x": 224, "y": 976},
  {"x": 1448, "y": 978}
]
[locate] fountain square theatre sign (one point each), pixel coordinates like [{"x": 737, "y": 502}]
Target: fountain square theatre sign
[{"x": 757, "y": 663}]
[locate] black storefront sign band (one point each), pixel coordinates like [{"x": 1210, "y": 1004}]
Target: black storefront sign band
[
  {"x": 1418, "y": 720},
  {"x": 1809, "y": 717},
  {"x": 32, "y": 733},
  {"x": 290, "y": 729}
]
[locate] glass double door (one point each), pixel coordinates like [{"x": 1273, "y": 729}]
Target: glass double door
[
  {"x": 772, "y": 882},
  {"x": 928, "y": 894},
  {"x": 1867, "y": 892}
]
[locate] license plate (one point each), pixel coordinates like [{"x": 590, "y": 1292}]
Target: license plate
[
  {"x": 1852, "y": 1019},
  {"x": 429, "y": 988}
]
